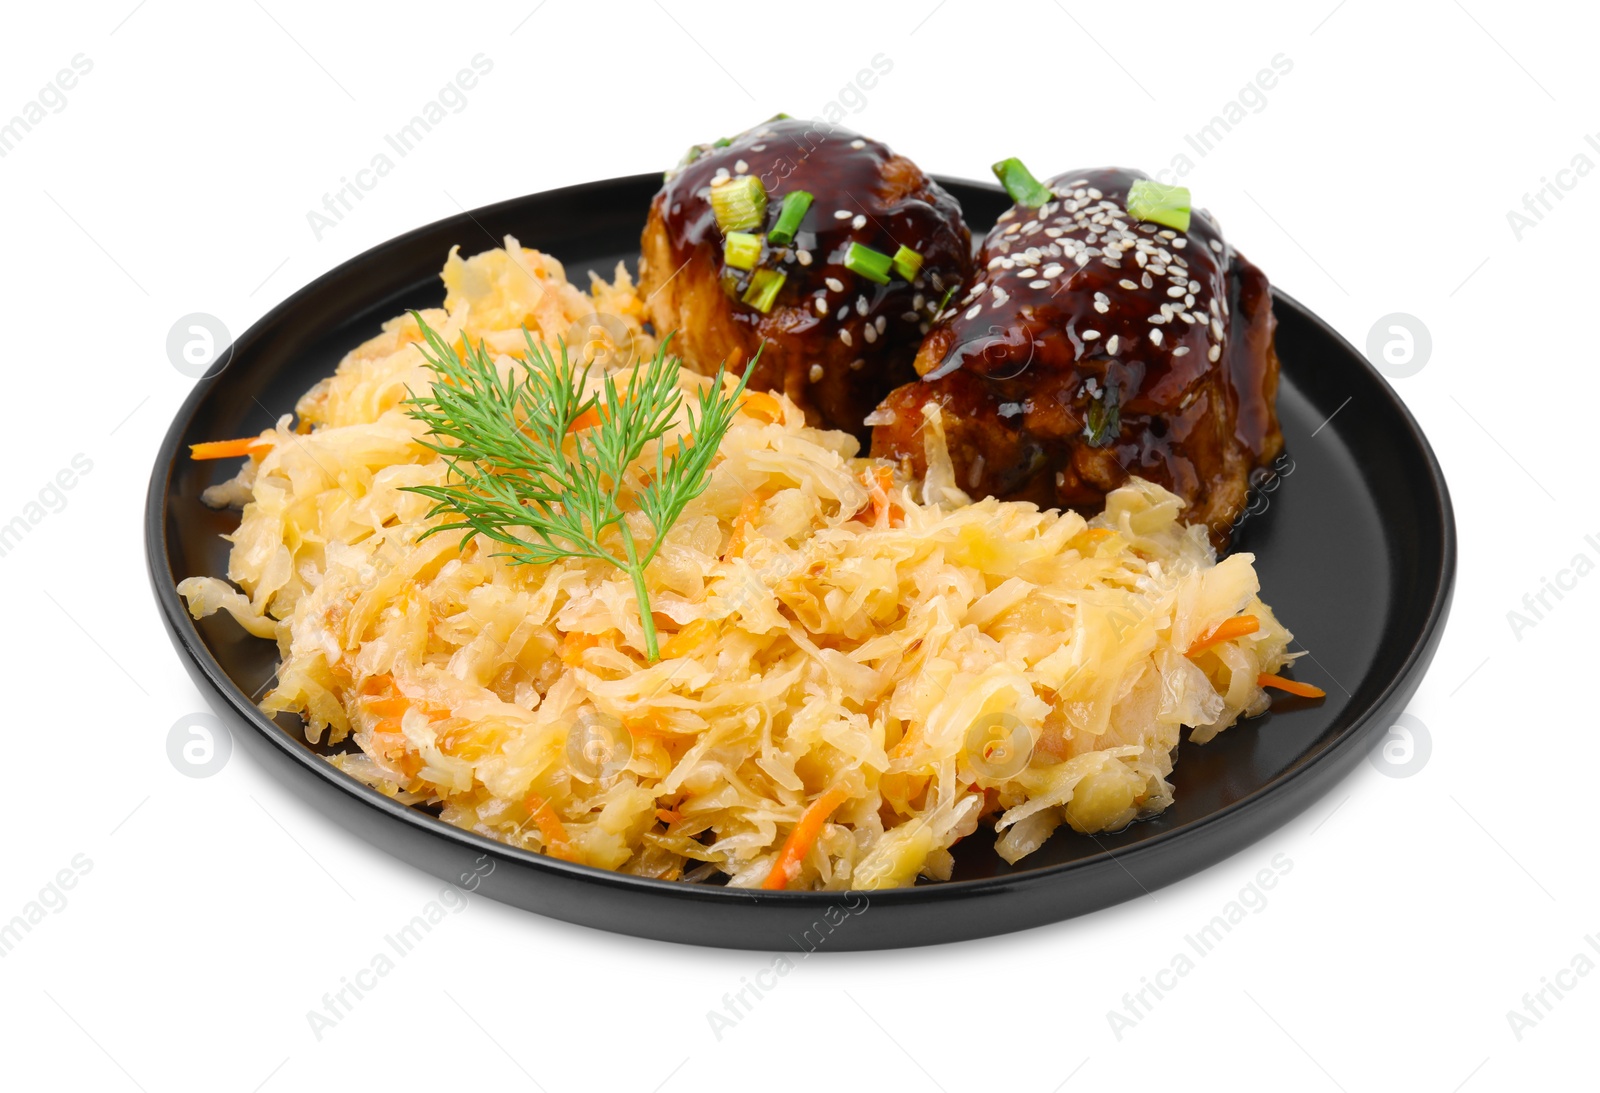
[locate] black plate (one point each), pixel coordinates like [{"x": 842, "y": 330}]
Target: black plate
[{"x": 1355, "y": 547}]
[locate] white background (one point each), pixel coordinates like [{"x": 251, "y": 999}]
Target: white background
[{"x": 1376, "y": 178}]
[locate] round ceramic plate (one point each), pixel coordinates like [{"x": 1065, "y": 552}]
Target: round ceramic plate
[{"x": 1355, "y": 545}]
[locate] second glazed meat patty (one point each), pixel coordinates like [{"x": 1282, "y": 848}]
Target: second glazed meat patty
[
  {"x": 832, "y": 338},
  {"x": 1090, "y": 346}
]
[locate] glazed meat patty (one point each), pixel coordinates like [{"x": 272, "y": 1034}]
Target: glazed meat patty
[
  {"x": 1089, "y": 346},
  {"x": 834, "y": 339}
]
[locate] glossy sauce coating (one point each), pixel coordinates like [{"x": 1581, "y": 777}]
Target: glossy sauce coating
[
  {"x": 1090, "y": 346},
  {"x": 834, "y": 341}
]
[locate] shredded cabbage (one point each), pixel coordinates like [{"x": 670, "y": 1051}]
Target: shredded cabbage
[{"x": 826, "y": 623}]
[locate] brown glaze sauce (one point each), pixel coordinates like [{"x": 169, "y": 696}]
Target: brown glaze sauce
[{"x": 861, "y": 335}]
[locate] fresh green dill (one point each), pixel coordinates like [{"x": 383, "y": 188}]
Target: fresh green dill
[{"x": 537, "y": 465}]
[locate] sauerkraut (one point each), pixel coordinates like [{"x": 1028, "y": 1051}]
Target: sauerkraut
[{"x": 857, "y": 670}]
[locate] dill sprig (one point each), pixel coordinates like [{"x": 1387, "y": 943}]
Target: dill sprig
[{"x": 537, "y": 465}]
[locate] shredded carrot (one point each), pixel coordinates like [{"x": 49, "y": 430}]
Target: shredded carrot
[
  {"x": 1292, "y": 686},
  {"x": 230, "y": 449},
  {"x": 742, "y": 524},
  {"x": 762, "y": 405},
  {"x": 553, "y": 831},
  {"x": 586, "y": 420},
  {"x": 803, "y": 838},
  {"x": 879, "y": 480},
  {"x": 1226, "y": 630},
  {"x": 690, "y": 638},
  {"x": 574, "y": 645},
  {"x": 393, "y": 706}
]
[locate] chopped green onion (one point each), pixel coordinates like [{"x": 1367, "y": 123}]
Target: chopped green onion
[
  {"x": 1020, "y": 183},
  {"x": 721, "y": 142},
  {"x": 795, "y": 205},
  {"x": 1150, "y": 200},
  {"x": 690, "y": 156},
  {"x": 780, "y": 116},
  {"x": 907, "y": 263},
  {"x": 739, "y": 204},
  {"x": 741, "y": 250},
  {"x": 871, "y": 264},
  {"x": 1104, "y": 418},
  {"x": 763, "y": 290},
  {"x": 943, "y": 300}
]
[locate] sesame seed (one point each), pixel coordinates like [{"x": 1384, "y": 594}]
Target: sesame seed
[
  {"x": 917, "y": 301},
  {"x": 910, "y": 316},
  {"x": 822, "y": 307},
  {"x": 972, "y": 312},
  {"x": 844, "y": 313},
  {"x": 758, "y": 147},
  {"x": 861, "y": 305},
  {"x": 1155, "y": 337},
  {"x": 1214, "y": 352},
  {"x": 858, "y": 144},
  {"x": 1216, "y": 245},
  {"x": 870, "y": 333},
  {"x": 880, "y": 322},
  {"x": 804, "y": 257},
  {"x": 844, "y": 336},
  {"x": 1112, "y": 343},
  {"x": 855, "y": 365},
  {"x": 1127, "y": 284},
  {"x": 1147, "y": 281},
  {"x": 1216, "y": 328},
  {"x": 1090, "y": 335},
  {"x": 1180, "y": 243},
  {"x": 859, "y": 222},
  {"x": 999, "y": 297},
  {"x": 842, "y": 214},
  {"x": 741, "y": 167},
  {"x": 816, "y": 373},
  {"x": 834, "y": 284},
  {"x": 1039, "y": 284},
  {"x": 1180, "y": 351}
]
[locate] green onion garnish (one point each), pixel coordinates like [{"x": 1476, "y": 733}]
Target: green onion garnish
[
  {"x": 1020, "y": 183},
  {"x": 871, "y": 264},
  {"x": 1150, "y": 200},
  {"x": 943, "y": 300},
  {"x": 1104, "y": 419},
  {"x": 741, "y": 250},
  {"x": 907, "y": 263},
  {"x": 763, "y": 290},
  {"x": 721, "y": 142},
  {"x": 780, "y": 116},
  {"x": 795, "y": 204},
  {"x": 739, "y": 204}
]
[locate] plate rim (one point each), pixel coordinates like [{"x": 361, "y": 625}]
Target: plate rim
[{"x": 190, "y": 643}]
